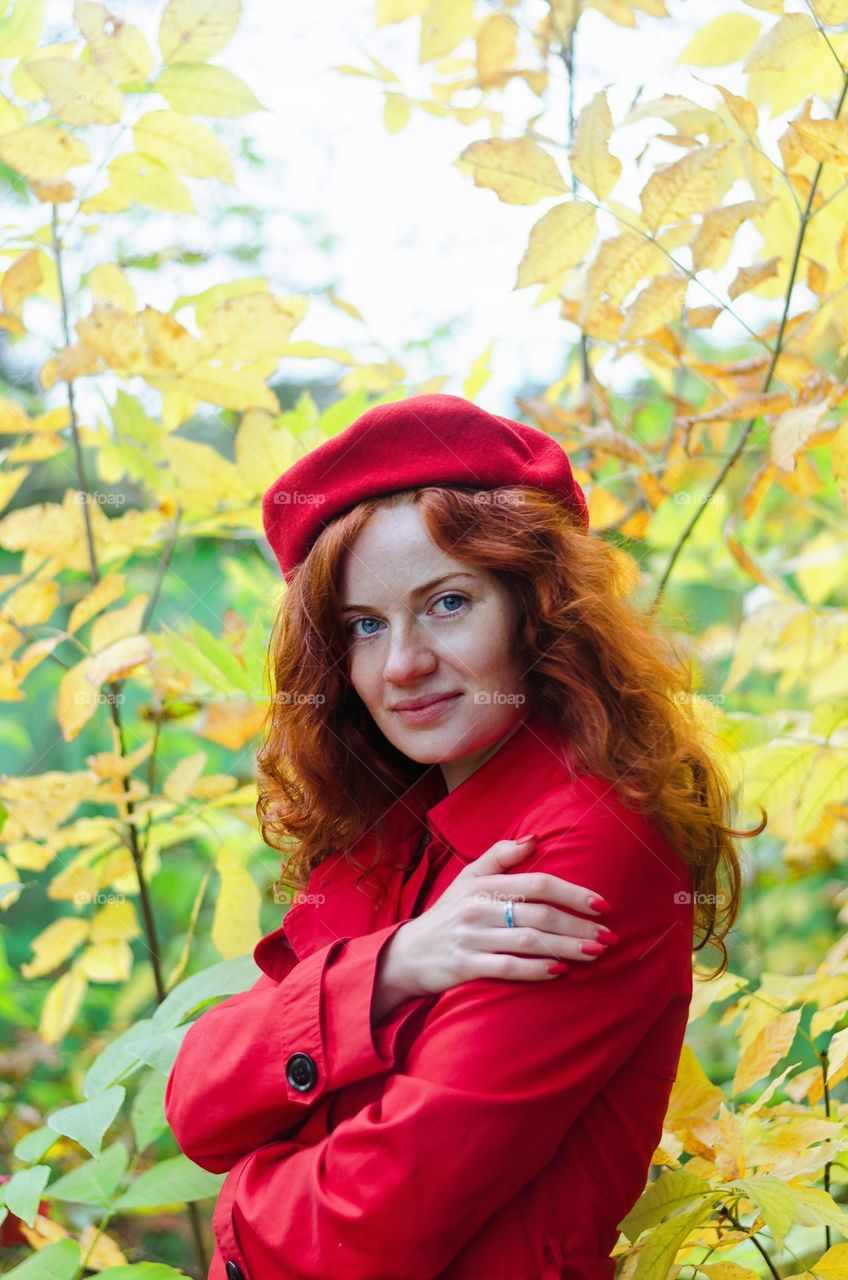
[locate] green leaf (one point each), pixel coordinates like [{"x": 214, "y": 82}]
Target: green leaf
[
  {"x": 86, "y": 1122},
  {"x": 673, "y": 1190},
  {"x": 23, "y": 1191},
  {"x": 193, "y": 993},
  {"x": 32, "y": 1146},
  {"x": 657, "y": 1254},
  {"x": 140, "y": 1271},
  {"x": 772, "y": 1197},
  {"x": 174, "y": 1181},
  {"x": 93, "y": 1182},
  {"x": 158, "y": 1049},
  {"x": 58, "y": 1261},
  {"x": 203, "y": 90},
  {"x": 147, "y": 1113},
  {"x": 114, "y": 1063}
]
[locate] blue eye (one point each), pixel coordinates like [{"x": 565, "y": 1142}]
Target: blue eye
[{"x": 449, "y": 595}]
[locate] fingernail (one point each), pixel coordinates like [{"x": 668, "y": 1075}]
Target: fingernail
[
  {"x": 524, "y": 839},
  {"x": 599, "y": 904},
  {"x": 592, "y": 948},
  {"x": 606, "y": 935},
  {"x": 557, "y": 968}
]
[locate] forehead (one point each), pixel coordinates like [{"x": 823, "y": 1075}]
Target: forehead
[{"x": 393, "y": 554}]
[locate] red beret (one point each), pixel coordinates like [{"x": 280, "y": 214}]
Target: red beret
[{"x": 423, "y": 440}]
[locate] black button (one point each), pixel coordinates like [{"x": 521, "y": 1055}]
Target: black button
[
  {"x": 234, "y": 1271},
  {"x": 301, "y": 1072}
]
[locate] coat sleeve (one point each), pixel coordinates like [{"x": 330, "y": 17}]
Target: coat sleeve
[
  {"x": 498, "y": 1072},
  {"x": 229, "y": 1089}
]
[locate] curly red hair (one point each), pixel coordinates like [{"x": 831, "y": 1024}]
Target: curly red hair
[{"x": 610, "y": 678}]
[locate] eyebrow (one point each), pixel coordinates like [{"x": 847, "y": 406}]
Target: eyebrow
[{"x": 416, "y": 591}]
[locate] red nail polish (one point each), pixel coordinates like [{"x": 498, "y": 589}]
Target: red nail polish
[
  {"x": 606, "y": 935},
  {"x": 560, "y": 967},
  {"x": 592, "y": 948},
  {"x": 599, "y": 904}
]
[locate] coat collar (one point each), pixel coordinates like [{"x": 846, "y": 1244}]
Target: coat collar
[{"x": 485, "y": 807}]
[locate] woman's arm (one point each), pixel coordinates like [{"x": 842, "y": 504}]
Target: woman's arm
[
  {"x": 489, "y": 1088},
  {"x": 253, "y": 1067}
]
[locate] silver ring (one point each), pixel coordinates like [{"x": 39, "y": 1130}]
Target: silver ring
[{"x": 510, "y": 922}]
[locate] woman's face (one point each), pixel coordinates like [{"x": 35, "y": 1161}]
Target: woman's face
[{"x": 410, "y": 636}]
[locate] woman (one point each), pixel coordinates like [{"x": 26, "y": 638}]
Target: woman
[{"x": 471, "y": 732}]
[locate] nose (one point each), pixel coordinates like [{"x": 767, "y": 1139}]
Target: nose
[{"x": 409, "y": 655}]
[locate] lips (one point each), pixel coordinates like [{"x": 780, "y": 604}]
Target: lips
[{"x": 426, "y": 700}]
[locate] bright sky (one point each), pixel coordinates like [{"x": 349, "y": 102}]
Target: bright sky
[{"x": 414, "y": 244}]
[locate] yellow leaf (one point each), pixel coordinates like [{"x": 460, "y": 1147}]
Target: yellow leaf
[
  {"x": 590, "y": 158},
  {"x": 77, "y": 701},
  {"x": 99, "y": 1250},
  {"x": 120, "y": 658},
  {"x": 714, "y": 238},
  {"x": 605, "y": 509},
  {"x": 117, "y": 47},
  {"x": 686, "y": 186},
  {"x": 202, "y": 475},
  {"x": 21, "y": 279},
  {"x": 765, "y": 1050},
  {"x": 20, "y": 30},
  {"x": 180, "y": 782},
  {"x": 497, "y": 48},
  {"x": 107, "y": 283},
  {"x": 743, "y": 111},
  {"x": 115, "y": 335},
  {"x": 116, "y": 921},
  {"x": 560, "y": 239},
  {"x": 61, "y": 1006},
  {"x": 621, "y": 263},
  {"x": 791, "y": 431},
  {"x": 235, "y": 926},
  {"x": 194, "y": 30},
  {"x": 198, "y": 89},
  {"x": 32, "y": 603},
  {"x": 106, "y": 961},
  {"x": 725, "y": 39},
  {"x": 693, "y": 1096},
  {"x": 54, "y": 944},
  {"x": 109, "y": 589},
  {"x": 660, "y": 303},
  {"x": 478, "y": 374},
  {"x": 242, "y": 329},
  {"x": 263, "y": 448},
  {"x": 444, "y": 25},
  {"x": 832, "y": 13},
  {"x": 148, "y": 181},
  {"x": 748, "y": 278},
  {"x": 727, "y": 1271},
  {"x": 396, "y": 112},
  {"x": 839, "y": 460},
  {"x": 781, "y": 45},
  {"x": 118, "y": 623},
  {"x": 824, "y": 140},
  {"x": 171, "y": 348},
  {"x": 701, "y": 317},
  {"x": 8, "y": 876},
  {"x": 42, "y": 151},
  {"x": 77, "y": 92},
  {"x": 518, "y": 170},
  {"x": 183, "y": 145},
  {"x": 388, "y": 11}
]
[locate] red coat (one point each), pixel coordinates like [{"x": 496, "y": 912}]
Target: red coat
[{"x": 500, "y": 1130}]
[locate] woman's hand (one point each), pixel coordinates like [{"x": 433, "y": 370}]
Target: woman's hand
[{"x": 464, "y": 935}]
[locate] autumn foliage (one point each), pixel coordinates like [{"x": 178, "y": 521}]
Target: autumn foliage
[{"x": 700, "y": 237}]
